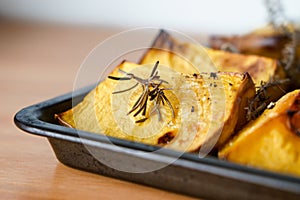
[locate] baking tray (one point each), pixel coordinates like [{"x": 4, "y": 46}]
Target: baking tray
[{"x": 207, "y": 177}]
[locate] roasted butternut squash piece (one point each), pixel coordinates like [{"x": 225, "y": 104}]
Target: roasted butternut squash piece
[
  {"x": 206, "y": 59},
  {"x": 272, "y": 141},
  {"x": 264, "y": 42},
  {"x": 207, "y": 107},
  {"x": 191, "y": 58}
]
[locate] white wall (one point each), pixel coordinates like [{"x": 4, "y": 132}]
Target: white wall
[{"x": 222, "y": 16}]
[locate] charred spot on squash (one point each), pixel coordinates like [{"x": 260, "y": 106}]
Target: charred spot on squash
[
  {"x": 294, "y": 115},
  {"x": 166, "y": 138},
  {"x": 213, "y": 75}
]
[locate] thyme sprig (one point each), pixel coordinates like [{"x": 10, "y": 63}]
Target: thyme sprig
[
  {"x": 152, "y": 90},
  {"x": 259, "y": 103}
]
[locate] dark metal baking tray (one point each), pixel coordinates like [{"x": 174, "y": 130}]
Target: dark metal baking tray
[{"x": 208, "y": 177}]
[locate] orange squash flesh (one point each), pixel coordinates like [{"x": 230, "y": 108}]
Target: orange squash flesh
[{"x": 272, "y": 141}]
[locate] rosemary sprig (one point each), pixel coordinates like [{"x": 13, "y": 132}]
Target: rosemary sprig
[
  {"x": 281, "y": 23},
  {"x": 152, "y": 89},
  {"x": 121, "y": 91},
  {"x": 159, "y": 97}
]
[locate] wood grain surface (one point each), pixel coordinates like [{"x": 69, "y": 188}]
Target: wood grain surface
[{"x": 39, "y": 62}]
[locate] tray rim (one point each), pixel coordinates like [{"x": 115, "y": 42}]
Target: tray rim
[{"x": 28, "y": 120}]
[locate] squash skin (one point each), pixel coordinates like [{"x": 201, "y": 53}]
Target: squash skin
[
  {"x": 264, "y": 42},
  {"x": 272, "y": 141}
]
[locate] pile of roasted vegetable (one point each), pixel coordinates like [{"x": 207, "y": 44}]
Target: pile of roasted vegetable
[{"x": 237, "y": 95}]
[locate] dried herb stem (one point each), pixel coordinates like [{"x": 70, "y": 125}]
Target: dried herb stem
[
  {"x": 152, "y": 88},
  {"x": 259, "y": 103}
]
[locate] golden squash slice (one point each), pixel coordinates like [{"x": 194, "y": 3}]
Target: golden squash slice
[
  {"x": 206, "y": 60},
  {"x": 192, "y": 58},
  {"x": 272, "y": 141},
  {"x": 205, "y": 108}
]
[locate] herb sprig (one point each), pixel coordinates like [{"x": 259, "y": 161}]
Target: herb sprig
[
  {"x": 259, "y": 103},
  {"x": 152, "y": 90}
]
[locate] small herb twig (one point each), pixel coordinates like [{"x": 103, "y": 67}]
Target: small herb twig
[
  {"x": 259, "y": 103},
  {"x": 152, "y": 89},
  {"x": 126, "y": 90}
]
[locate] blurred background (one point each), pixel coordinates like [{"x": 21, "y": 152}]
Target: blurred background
[{"x": 212, "y": 16}]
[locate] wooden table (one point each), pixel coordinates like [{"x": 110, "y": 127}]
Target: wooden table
[{"x": 39, "y": 62}]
